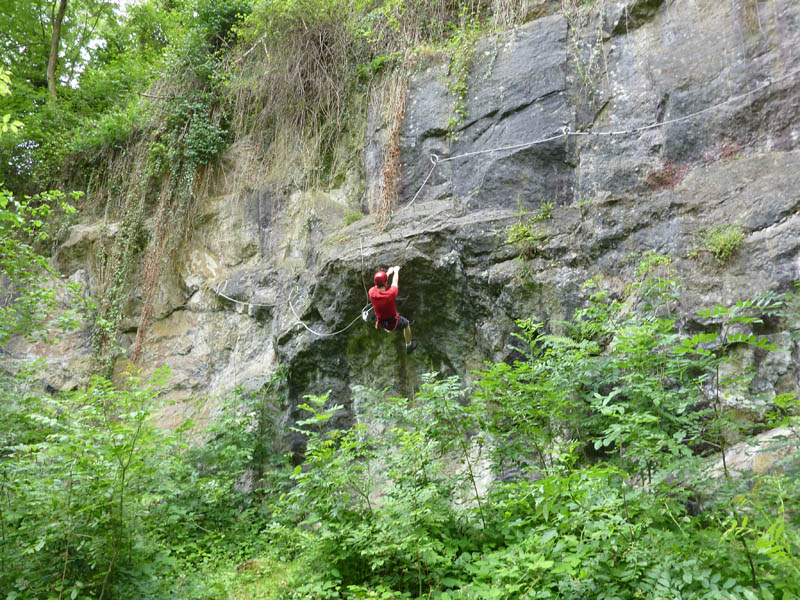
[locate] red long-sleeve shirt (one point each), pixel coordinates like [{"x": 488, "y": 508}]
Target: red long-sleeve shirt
[{"x": 383, "y": 301}]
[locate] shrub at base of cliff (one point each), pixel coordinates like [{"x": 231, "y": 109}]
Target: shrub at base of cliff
[
  {"x": 98, "y": 503},
  {"x": 600, "y": 444},
  {"x": 580, "y": 472}
]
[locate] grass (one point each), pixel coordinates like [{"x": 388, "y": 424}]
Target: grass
[
  {"x": 262, "y": 579},
  {"x": 352, "y": 217}
]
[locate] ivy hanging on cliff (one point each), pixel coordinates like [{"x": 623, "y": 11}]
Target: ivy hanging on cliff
[{"x": 170, "y": 159}]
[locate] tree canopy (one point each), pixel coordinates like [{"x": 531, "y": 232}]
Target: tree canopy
[{"x": 104, "y": 56}]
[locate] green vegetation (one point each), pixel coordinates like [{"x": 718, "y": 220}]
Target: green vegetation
[
  {"x": 352, "y": 217},
  {"x": 135, "y": 115},
  {"x": 97, "y": 502},
  {"x": 526, "y": 232},
  {"x": 27, "y": 276},
  {"x": 599, "y": 442},
  {"x": 7, "y": 125},
  {"x": 582, "y": 470},
  {"x": 105, "y": 59},
  {"x": 723, "y": 240}
]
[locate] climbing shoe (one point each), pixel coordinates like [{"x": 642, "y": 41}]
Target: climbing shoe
[{"x": 410, "y": 347}]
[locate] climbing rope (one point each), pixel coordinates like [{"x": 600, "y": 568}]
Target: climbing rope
[
  {"x": 435, "y": 160},
  {"x": 366, "y": 308},
  {"x": 362, "y": 313},
  {"x": 235, "y": 301},
  {"x": 364, "y": 283},
  {"x": 322, "y": 334},
  {"x": 566, "y": 132}
]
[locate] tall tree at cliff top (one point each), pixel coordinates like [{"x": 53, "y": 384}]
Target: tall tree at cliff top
[
  {"x": 57, "y": 18},
  {"x": 70, "y": 61}
]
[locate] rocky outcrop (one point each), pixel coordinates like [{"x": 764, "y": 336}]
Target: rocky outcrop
[
  {"x": 772, "y": 451},
  {"x": 702, "y": 99}
]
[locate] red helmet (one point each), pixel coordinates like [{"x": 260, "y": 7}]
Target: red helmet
[{"x": 381, "y": 278}]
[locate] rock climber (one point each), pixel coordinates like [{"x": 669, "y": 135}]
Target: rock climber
[{"x": 383, "y": 297}]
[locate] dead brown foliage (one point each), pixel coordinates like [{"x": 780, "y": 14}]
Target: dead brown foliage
[
  {"x": 391, "y": 172},
  {"x": 667, "y": 177}
]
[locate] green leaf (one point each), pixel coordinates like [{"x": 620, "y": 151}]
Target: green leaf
[{"x": 547, "y": 536}]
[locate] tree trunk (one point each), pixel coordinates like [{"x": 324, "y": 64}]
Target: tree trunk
[{"x": 52, "y": 60}]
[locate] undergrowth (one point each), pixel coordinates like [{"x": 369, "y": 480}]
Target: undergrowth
[
  {"x": 583, "y": 470},
  {"x": 599, "y": 441}
]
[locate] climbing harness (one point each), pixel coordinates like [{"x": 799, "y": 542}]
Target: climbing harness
[{"x": 384, "y": 324}]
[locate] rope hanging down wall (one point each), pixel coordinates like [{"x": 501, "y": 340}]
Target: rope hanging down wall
[
  {"x": 565, "y": 133},
  {"x": 299, "y": 320}
]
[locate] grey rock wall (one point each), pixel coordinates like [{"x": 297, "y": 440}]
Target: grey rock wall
[{"x": 704, "y": 97}]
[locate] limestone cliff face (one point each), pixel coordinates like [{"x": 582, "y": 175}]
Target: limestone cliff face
[{"x": 703, "y": 97}]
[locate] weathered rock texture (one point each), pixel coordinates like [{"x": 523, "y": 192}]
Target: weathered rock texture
[{"x": 704, "y": 97}]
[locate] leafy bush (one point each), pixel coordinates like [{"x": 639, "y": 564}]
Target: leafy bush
[
  {"x": 100, "y": 503},
  {"x": 723, "y": 240},
  {"x": 599, "y": 440},
  {"x": 74, "y": 521}
]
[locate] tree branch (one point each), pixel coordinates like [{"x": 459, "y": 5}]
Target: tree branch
[{"x": 52, "y": 60}]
